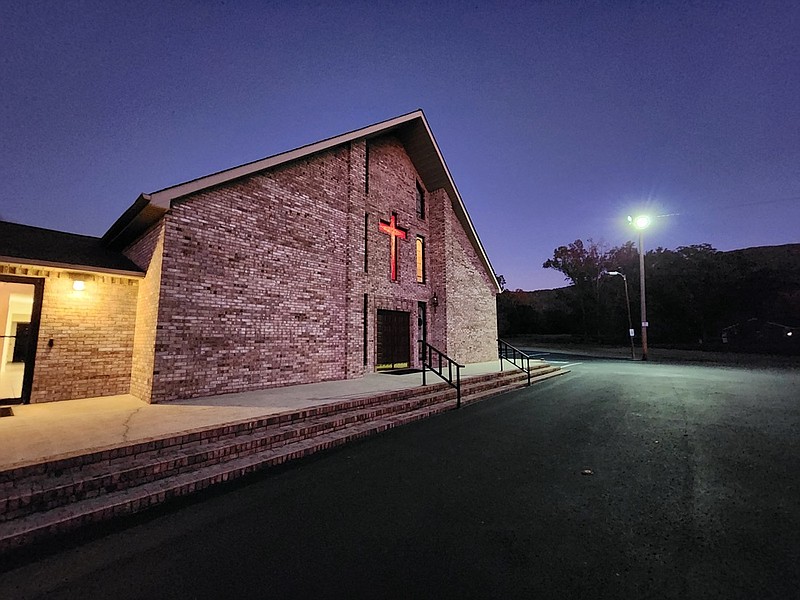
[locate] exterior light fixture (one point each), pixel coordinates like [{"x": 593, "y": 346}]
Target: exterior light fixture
[
  {"x": 434, "y": 300},
  {"x": 79, "y": 285}
]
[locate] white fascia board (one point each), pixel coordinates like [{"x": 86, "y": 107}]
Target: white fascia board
[
  {"x": 471, "y": 232},
  {"x": 163, "y": 198}
]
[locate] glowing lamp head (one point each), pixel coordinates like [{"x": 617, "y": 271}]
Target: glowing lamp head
[
  {"x": 640, "y": 222},
  {"x": 79, "y": 285}
]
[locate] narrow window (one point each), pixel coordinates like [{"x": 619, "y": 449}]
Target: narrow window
[
  {"x": 420, "y": 201},
  {"x": 366, "y": 309},
  {"x": 366, "y": 240},
  {"x": 366, "y": 166},
  {"x": 420, "y": 260}
]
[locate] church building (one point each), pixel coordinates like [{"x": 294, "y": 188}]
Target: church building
[{"x": 327, "y": 262}]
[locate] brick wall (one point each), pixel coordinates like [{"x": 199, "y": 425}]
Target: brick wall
[
  {"x": 263, "y": 278},
  {"x": 464, "y": 323},
  {"x": 260, "y": 282},
  {"x": 392, "y": 189},
  {"x": 355, "y": 252},
  {"x": 471, "y": 299},
  {"x": 253, "y": 283},
  {"x": 440, "y": 211},
  {"x": 146, "y": 252},
  {"x": 92, "y": 333}
]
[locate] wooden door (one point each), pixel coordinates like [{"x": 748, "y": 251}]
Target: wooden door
[{"x": 394, "y": 340}]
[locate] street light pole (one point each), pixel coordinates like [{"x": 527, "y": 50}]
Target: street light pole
[
  {"x": 644, "y": 303},
  {"x": 628, "y": 306},
  {"x": 641, "y": 223}
]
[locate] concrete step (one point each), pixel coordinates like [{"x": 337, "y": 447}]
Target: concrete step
[{"x": 58, "y": 496}]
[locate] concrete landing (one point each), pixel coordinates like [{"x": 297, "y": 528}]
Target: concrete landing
[{"x": 45, "y": 431}]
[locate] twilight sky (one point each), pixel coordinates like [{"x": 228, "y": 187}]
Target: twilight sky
[{"x": 556, "y": 119}]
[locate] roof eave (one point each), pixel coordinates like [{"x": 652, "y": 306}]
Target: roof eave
[
  {"x": 73, "y": 267},
  {"x": 137, "y": 219},
  {"x": 461, "y": 209},
  {"x": 148, "y": 208},
  {"x": 163, "y": 198}
]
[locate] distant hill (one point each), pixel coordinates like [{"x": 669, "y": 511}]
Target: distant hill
[{"x": 781, "y": 263}]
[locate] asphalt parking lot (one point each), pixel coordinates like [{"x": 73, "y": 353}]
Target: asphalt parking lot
[{"x": 619, "y": 480}]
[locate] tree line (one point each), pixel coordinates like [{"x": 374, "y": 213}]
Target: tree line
[{"x": 694, "y": 294}]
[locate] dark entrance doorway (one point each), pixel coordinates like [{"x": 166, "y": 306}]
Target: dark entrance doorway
[
  {"x": 422, "y": 328},
  {"x": 20, "y": 311},
  {"x": 394, "y": 340}
]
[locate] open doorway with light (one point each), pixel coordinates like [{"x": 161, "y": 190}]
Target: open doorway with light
[{"x": 20, "y": 311}]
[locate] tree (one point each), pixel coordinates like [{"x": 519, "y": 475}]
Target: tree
[
  {"x": 688, "y": 290},
  {"x": 693, "y": 292},
  {"x": 612, "y": 305},
  {"x": 583, "y": 264},
  {"x": 580, "y": 264}
]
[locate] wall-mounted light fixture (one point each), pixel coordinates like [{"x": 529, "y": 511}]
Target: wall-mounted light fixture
[
  {"x": 434, "y": 300},
  {"x": 79, "y": 285}
]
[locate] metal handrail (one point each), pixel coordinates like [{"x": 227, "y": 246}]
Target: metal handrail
[
  {"x": 508, "y": 352},
  {"x": 442, "y": 360}
]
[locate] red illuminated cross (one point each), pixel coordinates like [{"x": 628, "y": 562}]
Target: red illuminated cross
[{"x": 394, "y": 232}]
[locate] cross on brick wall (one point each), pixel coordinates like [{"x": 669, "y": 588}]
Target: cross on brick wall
[{"x": 395, "y": 233}]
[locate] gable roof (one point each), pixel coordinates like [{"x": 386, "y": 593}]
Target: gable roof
[
  {"x": 46, "y": 247},
  {"x": 412, "y": 129}
]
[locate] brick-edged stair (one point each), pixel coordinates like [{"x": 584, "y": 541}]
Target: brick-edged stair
[{"x": 57, "y": 496}]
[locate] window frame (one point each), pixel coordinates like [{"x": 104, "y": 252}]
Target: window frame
[{"x": 421, "y": 271}]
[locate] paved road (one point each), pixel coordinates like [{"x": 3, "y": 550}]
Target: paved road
[
  {"x": 565, "y": 359},
  {"x": 694, "y": 493}
]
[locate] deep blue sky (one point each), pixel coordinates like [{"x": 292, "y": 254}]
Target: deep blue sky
[{"x": 556, "y": 119}]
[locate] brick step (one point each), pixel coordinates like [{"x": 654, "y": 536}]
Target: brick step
[
  {"x": 81, "y": 490},
  {"x": 467, "y": 382},
  {"x": 501, "y": 381},
  {"x": 489, "y": 392},
  {"x": 31, "y": 528},
  {"x": 476, "y": 385},
  {"x": 541, "y": 375},
  {"x": 37, "y": 493},
  {"x": 9, "y": 479}
]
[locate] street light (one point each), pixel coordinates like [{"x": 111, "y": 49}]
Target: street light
[
  {"x": 641, "y": 223},
  {"x": 628, "y": 306}
]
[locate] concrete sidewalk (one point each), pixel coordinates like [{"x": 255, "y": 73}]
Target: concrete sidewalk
[{"x": 45, "y": 431}]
